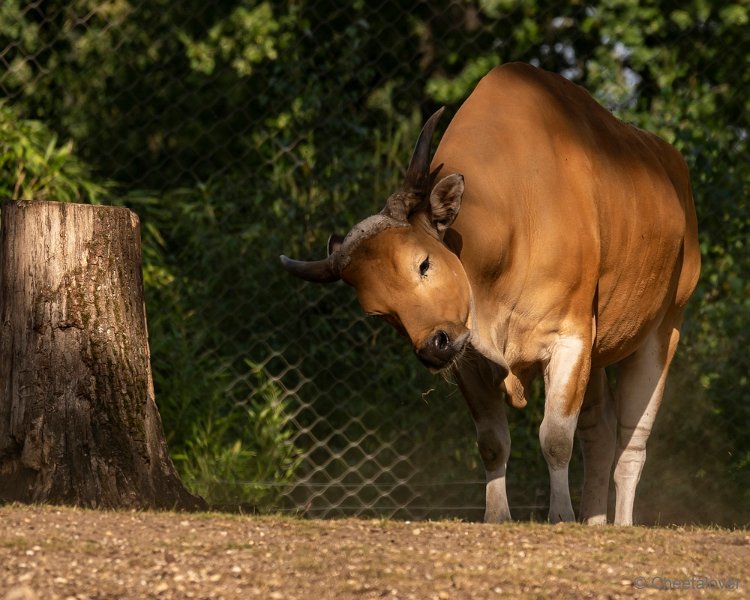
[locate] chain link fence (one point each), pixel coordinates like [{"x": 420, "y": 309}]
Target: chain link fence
[{"x": 239, "y": 130}]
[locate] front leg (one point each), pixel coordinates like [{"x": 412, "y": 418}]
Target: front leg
[
  {"x": 480, "y": 382},
  {"x": 565, "y": 380}
]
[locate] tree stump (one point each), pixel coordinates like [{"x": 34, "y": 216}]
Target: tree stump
[{"x": 78, "y": 420}]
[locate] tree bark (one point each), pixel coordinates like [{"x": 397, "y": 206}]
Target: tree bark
[{"x": 78, "y": 420}]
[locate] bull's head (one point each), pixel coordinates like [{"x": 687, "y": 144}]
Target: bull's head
[{"x": 398, "y": 264}]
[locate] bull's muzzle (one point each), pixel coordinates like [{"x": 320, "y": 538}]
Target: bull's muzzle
[{"x": 439, "y": 350}]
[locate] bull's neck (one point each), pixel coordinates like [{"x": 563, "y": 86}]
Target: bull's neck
[
  {"x": 489, "y": 312},
  {"x": 487, "y": 330}
]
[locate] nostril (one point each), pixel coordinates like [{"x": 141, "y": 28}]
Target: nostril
[
  {"x": 441, "y": 340},
  {"x": 437, "y": 351}
]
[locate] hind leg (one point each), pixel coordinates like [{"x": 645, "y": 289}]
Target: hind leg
[
  {"x": 640, "y": 387},
  {"x": 480, "y": 383},
  {"x": 597, "y": 433}
]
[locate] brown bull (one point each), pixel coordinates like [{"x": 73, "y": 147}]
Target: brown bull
[{"x": 550, "y": 238}]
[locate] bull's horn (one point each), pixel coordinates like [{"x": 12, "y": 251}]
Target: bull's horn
[
  {"x": 417, "y": 178},
  {"x": 417, "y": 181},
  {"x": 317, "y": 271}
]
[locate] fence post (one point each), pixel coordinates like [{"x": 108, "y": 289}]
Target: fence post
[{"x": 78, "y": 420}]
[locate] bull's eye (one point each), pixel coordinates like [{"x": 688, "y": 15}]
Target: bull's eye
[{"x": 424, "y": 267}]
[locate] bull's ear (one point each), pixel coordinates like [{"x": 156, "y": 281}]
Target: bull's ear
[
  {"x": 445, "y": 200},
  {"x": 334, "y": 243}
]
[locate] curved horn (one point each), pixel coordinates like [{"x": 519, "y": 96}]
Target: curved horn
[
  {"x": 417, "y": 180},
  {"x": 317, "y": 271}
]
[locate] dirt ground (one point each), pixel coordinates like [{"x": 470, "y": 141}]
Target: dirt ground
[{"x": 51, "y": 552}]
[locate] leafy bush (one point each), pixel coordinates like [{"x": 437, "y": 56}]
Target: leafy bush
[
  {"x": 35, "y": 166},
  {"x": 244, "y": 457}
]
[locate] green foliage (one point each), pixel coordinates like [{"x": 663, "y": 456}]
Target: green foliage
[
  {"x": 245, "y": 38},
  {"x": 35, "y": 166},
  {"x": 245, "y": 457}
]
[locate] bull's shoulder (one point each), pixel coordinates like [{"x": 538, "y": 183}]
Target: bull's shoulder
[
  {"x": 519, "y": 81},
  {"x": 524, "y": 101},
  {"x": 516, "y": 70}
]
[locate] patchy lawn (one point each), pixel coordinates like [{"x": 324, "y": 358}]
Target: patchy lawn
[{"x": 52, "y": 552}]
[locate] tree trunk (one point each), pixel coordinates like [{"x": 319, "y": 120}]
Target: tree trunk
[{"x": 78, "y": 420}]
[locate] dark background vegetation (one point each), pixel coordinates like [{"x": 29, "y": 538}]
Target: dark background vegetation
[{"x": 239, "y": 130}]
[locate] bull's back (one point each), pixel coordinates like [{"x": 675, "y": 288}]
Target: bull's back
[{"x": 600, "y": 211}]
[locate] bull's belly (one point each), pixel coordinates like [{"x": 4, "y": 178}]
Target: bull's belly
[
  {"x": 634, "y": 293},
  {"x": 620, "y": 330}
]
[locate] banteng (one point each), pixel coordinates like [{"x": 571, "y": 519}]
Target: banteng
[{"x": 545, "y": 238}]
